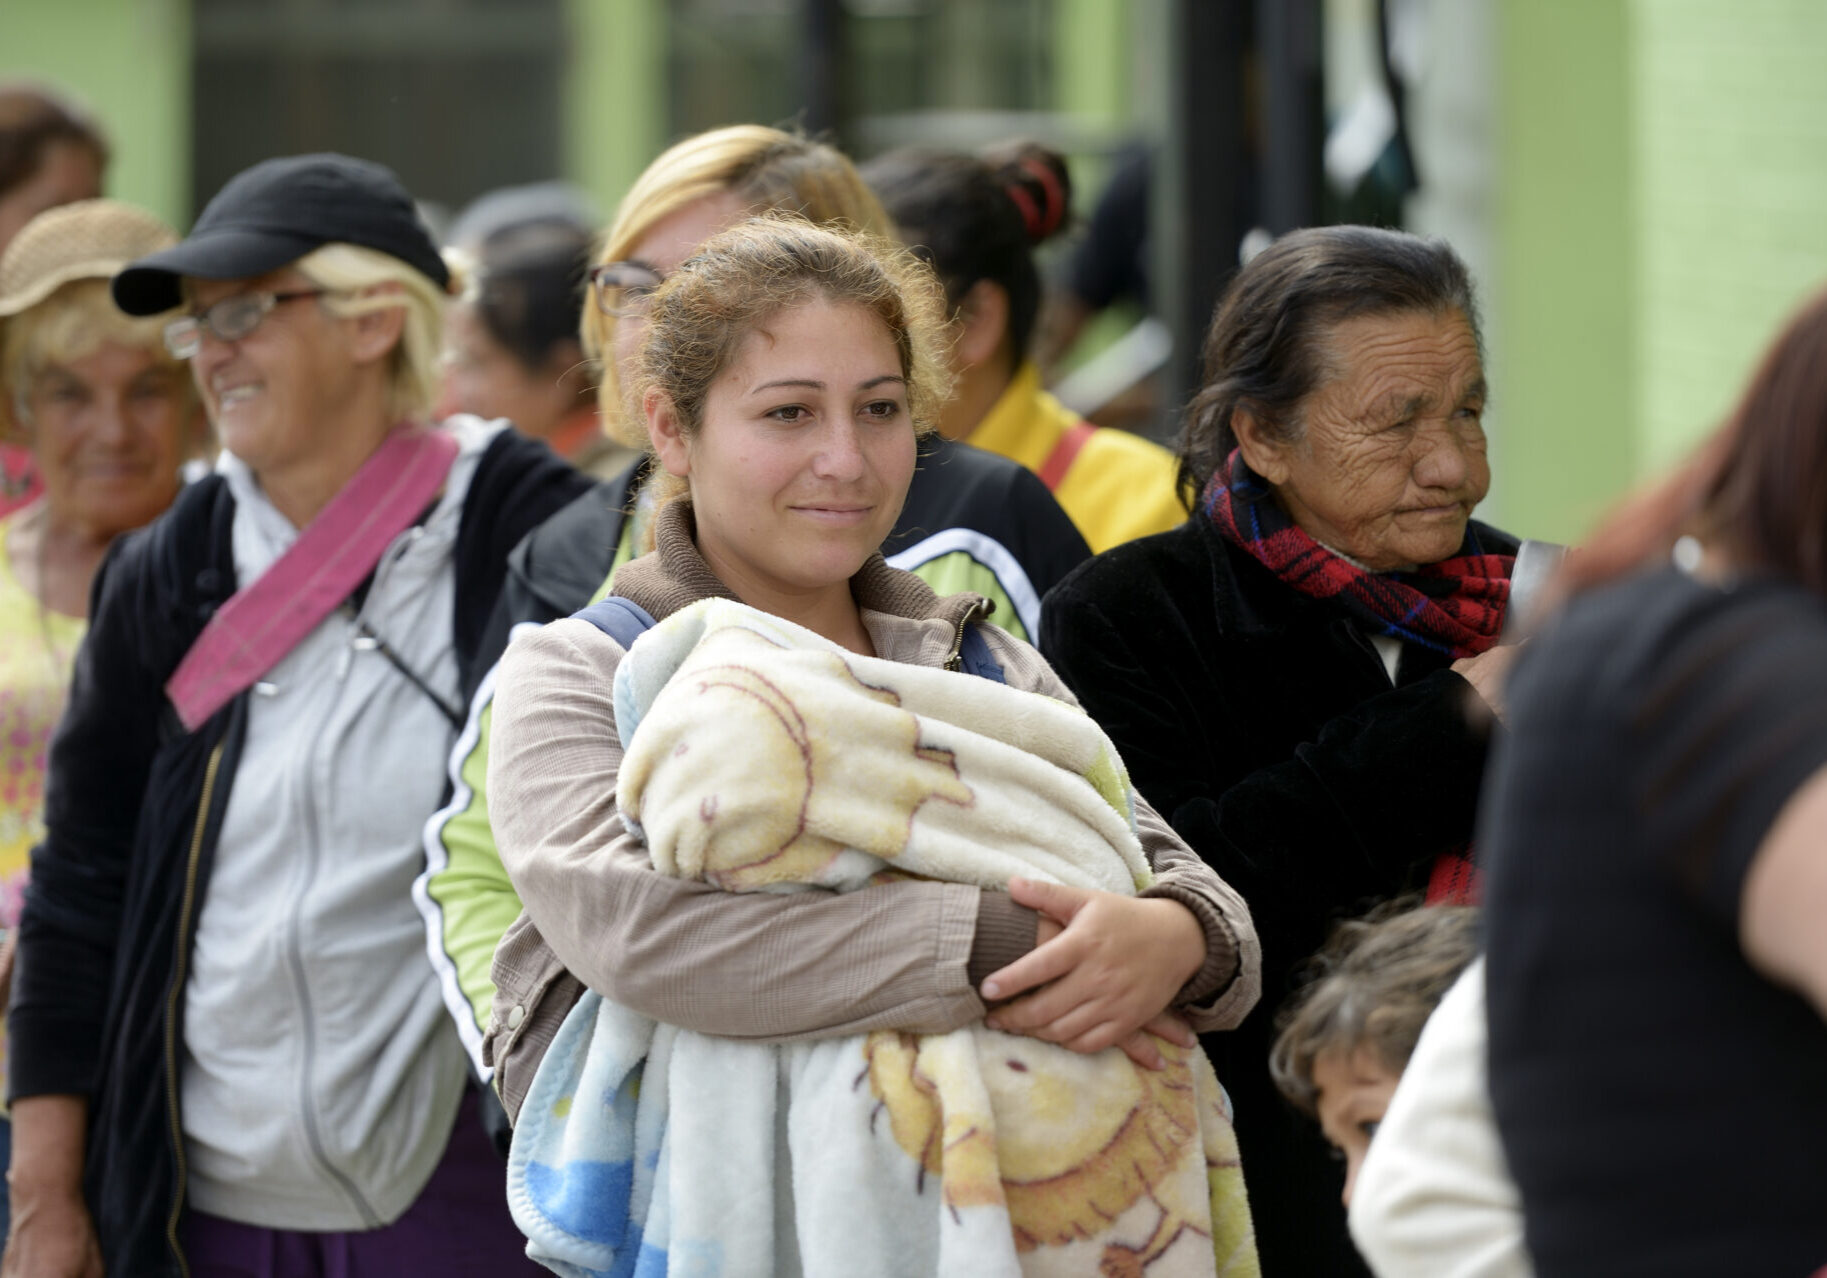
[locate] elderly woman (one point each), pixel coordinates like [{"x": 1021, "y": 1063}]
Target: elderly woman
[
  {"x": 1300, "y": 677},
  {"x": 107, "y": 416},
  {"x": 1656, "y": 829},
  {"x": 229, "y": 1050}
]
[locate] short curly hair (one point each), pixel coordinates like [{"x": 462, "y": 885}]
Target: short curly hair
[
  {"x": 765, "y": 265},
  {"x": 1374, "y": 985}
]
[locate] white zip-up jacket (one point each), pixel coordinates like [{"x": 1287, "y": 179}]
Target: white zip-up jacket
[{"x": 321, "y": 1075}]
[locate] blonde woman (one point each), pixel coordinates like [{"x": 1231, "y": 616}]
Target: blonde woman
[
  {"x": 107, "y": 417},
  {"x": 971, "y": 521},
  {"x": 229, "y": 1053}
]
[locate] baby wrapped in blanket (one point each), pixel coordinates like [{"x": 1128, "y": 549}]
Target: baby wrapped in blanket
[{"x": 762, "y": 757}]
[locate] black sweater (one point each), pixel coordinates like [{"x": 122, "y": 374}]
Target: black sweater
[{"x": 1262, "y": 723}]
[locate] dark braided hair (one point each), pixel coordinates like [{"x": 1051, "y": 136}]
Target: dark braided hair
[
  {"x": 979, "y": 218},
  {"x": 529, "y": 287}
]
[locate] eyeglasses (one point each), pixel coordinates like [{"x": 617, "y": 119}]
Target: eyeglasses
[
  {"x": 229, "y": 320},
  {"x": 624, "y": 288}
]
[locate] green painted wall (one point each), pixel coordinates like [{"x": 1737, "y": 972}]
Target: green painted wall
[
  {"x": 615, "y": 94},
  {"x": 129, "y": 62},
  {"x": 1729, "y": 129},
  {"x": 1662, "y": 207},
  {"x": 1565, "y": 405}
]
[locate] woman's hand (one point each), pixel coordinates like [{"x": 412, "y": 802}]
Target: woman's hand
[
  {"x": 1486, "y": 673},
  {"x": 1102, "y": 973},
  {"x": 52, "y": 1235}
]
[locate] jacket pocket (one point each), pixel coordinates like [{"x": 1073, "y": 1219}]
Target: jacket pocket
[{"x": 533, "y": 995}]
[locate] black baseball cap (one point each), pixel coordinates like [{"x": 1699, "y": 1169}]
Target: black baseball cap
[{"x": 275, "y": 213}]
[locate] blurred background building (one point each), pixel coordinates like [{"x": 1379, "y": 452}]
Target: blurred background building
[{"x": 1639, "y": 185}]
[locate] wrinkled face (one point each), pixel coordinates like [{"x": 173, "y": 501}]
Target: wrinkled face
[
  {"x": 1354, "y": 1090},
  {"x": 1390, "y": 460},
  {"x": 277, "y": 394},
  {"x": 799, "y": 467},
  {"x": 108, "y": 433},
  {"x": 667, "y": 243},
  {"x": 483, "y": 377},
  {"x": 66, "y": 172}
]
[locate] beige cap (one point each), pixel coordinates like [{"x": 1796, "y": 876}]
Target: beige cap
[{"x": 90, "y": 239}]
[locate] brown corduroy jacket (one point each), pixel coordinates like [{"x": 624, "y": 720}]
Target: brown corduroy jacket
[{"x": 757, "y": 965}]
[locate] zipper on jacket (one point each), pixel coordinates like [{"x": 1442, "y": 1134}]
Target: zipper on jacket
[
  {"x": 294, "y": 950},
  {"x": 171, "y": 1005},
  {"x": 955, "y": 659}
]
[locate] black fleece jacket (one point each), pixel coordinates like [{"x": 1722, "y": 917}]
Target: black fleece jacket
[{"x": 1263, "y": 724}]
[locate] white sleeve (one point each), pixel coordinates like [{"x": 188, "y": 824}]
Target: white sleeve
[{"x": 1434, "y": 1198}]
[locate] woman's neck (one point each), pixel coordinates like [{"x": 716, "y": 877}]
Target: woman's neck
[
  {"x": 975, "y": 394},
  {"x": 829, "y": 611},
  {"x": 55, "y": 558},
  {"x": 302, "y": 489}
]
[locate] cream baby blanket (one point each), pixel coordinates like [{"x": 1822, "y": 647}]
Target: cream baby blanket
[{"x": 761, "y": 757}]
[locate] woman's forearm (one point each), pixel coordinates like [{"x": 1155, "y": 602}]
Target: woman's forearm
[
  {"x": 745, "y": 965},
  {"x": 49, "y": 1133}
]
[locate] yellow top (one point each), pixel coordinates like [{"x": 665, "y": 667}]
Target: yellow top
[
  {"x": 37, "y": 650},
  {"x": 1119, "y": 487}
]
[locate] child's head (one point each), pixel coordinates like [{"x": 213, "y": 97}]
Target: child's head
[{"x": 1346, "y": 1036}]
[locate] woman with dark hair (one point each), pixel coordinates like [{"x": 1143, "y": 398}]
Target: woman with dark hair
[
  {"x": 1658, "y": 872},
  {"x": 1294, "y": 675},
  {"x": 978, "y": 221},
  {"x": 51, "y": 153},
  {"x": 511, "y": 347}
]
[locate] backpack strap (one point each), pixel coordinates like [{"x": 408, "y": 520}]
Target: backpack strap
[
  {"x": 265, "y": 620},
  {"x": 974, "y": 656},
  {"x": 623, "y": 620}
]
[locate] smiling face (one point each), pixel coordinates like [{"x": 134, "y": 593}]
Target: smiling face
[
  {"x": 1389, "y": 459},
  {"x": 799, "y": 467},
  {"x": 1352, "y": 1092},
  {"x": 277, "y": 396},
  {"x": 108, "y": 433}
]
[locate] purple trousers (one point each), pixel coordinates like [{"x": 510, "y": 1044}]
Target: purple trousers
[{"x": 458, "y": 1226}]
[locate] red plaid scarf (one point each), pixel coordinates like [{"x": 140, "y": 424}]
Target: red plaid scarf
[{"x": 1454, "y": 607}]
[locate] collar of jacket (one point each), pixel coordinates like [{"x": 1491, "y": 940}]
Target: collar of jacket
[
  {"x": 564, "y": 560},
  {"x": 676, "y": 576}
]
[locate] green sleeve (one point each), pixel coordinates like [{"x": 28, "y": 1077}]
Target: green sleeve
[
  {"x": 959, "y": 570},
  {"x": 464, "y": 893}
]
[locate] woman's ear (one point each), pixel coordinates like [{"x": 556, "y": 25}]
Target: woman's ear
[
  {"x": 377, "y": 333},
  {"x": 13, "y": 430},
  {"x": 199, "y": 437},
  {"x": 982, "y": 324},
  {"x": 667, "y": 432},
  {"x": 1263, "y": 450}
]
